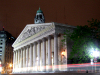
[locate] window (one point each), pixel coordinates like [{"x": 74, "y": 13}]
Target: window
[
  {"x": 0, "y": 43},
  {"x": 40, "y": 16},
  {"x": 37, "y": 16}
]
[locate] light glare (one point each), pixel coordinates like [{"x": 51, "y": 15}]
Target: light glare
[{"x": 95, "y": 54}]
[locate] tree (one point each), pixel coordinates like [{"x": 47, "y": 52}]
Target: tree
[{"x": 85, "y": 39}]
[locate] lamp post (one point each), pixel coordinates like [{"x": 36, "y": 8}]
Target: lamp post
[
  {"x": 63, "y": 57},
  {"x": 92, "y": 64}
]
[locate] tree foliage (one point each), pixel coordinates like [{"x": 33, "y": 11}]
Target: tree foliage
[{"x": 85, "y": 39}]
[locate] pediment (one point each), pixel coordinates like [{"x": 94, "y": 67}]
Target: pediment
[
  {"x": 30, "y": 30},
  {"x": 34, "y": 31}
]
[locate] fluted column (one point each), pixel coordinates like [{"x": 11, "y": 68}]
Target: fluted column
[
  {"x": 16, "y": 59},
  {"x": 31, "y": 55},
  {"x": 44, "y": 55},
  {"x": 24, "y": 57},
  {"x": 49, "y": 54},
  {"x": 34, "y": 56},
  {"x": 21, "y": 58},
  {"x": 39, "y": 49},
  {"x": 55, "y": 52},
  {"x": 27, "y": 56}
]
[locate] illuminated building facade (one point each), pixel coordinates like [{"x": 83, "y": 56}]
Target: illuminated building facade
[
  {"x": 38, "y": 48},
  {"x": 6, "y": 49}
]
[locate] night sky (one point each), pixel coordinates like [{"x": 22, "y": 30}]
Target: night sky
[{"x": 15, "y": 14}]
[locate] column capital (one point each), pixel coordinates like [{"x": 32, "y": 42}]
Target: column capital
[
  {"x": 21, "y": 48},
  {"x": 35, "y": 43},
  {"x": 27, "y": 46},
  {"x": 44, "y": 39},
  {"x": 31, "y": 45},
  {"x": 16, "y": 50},
  {"x": 55, "y": 34},
  {"x": 39, "y": 41},
  {"x": 24, "y": 47},
  {"x": 49, "y": 36}
]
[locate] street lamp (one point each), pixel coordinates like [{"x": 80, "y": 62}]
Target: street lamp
[
  {"x": 63, "y": 53},
  {"x": 95, "y": 54},
  {"x": 63, "y": 56},
  {"x": 10, "y": 66}
]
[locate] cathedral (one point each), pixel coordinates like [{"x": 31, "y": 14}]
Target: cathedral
[{"x": 38, "y": 48}]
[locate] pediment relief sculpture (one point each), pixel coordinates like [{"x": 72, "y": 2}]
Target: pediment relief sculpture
[{"x": 30, "y": 32}]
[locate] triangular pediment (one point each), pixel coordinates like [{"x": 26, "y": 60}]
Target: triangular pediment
[
  {"x": 33, "y": 31},
  {"x": 30, "y": 30}
]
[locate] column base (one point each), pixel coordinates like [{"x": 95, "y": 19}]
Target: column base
[
  {"x": 44, "y": 71},
  {"x": 56, "y": 70},
  {"x": 49, "y": 70}
]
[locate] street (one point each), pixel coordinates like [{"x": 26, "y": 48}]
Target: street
[
  {"x": 72, "y": 69},
  {"x": 56, "y": 74}
]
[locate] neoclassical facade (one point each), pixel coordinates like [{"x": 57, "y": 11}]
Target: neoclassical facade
[{"x": 39, "y": 48}]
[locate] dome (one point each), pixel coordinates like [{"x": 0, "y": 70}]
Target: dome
[{"x": 39, "y": 11}]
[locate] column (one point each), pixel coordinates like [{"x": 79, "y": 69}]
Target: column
[
  {"x": 16, "y": 59},
  {"x": 34, "y": 56},
  {"x": 27, "y": 56},
  {"x": 21, "y": 58},
  {"x": 24, "y": 57},
  {"x": 49, "y": 54},
  {"x": 44, "y": 55},
  {"x": 31, "y": 55},
  {"x": 55, "y": 52},
  {"x": 39, "y": 49},
  {"x": 65, "y": 47}
]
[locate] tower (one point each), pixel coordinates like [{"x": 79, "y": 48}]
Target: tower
[{"x": 39, "y": 18}]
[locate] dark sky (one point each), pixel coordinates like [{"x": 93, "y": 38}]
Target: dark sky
[{"x": 15, "y": 14}]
